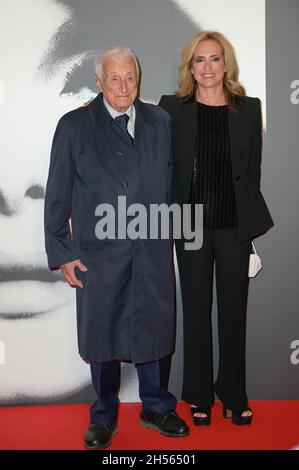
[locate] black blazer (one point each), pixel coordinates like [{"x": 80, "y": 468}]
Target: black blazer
[{"x": 245, "y": 130}]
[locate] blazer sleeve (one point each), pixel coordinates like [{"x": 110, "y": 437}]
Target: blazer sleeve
[
  {"x": 60, "y": 247},
  {"x": 256, "y": 156},
  {"x": 163, "y": 102},
  {"x": 166, "y": 102}
]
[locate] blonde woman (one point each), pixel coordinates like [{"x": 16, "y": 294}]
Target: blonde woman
[{"x": 217, "y": 162}]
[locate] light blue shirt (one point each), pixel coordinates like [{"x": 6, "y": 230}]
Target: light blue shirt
[{"x": 130, "y": 112}]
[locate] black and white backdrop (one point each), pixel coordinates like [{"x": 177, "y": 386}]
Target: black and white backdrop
[{"x": 46, "y": 69}]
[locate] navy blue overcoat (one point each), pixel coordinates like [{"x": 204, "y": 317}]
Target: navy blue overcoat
[{"x": 126, "y": 308}]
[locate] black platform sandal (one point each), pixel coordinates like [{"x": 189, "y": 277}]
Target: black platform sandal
[
  {"x": 201, "y": 420},
  {"x": 236, "y": 415}
]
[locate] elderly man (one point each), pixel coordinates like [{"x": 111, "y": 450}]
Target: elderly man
[{"x": 117, "y": 146}]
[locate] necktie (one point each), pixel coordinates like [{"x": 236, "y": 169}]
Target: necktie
[{"x": 123, "y": 120}]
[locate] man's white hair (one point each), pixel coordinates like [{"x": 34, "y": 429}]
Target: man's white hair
[{"x": 118, "y": 52}]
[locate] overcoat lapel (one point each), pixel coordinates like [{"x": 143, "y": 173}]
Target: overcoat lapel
[
  {"x": 187, "y": 123},
  {"x": 139, "y": 122}
]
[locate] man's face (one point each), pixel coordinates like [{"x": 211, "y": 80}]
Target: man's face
[{"x": 120, "y": 83}]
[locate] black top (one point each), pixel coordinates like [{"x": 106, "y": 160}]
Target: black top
[{"x": 212, "y": 184}]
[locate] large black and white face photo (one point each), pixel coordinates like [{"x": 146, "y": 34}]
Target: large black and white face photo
[{"x": 47, "y": 50}]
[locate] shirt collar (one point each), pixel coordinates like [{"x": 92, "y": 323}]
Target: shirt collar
[{"x": 115, "y": 113}]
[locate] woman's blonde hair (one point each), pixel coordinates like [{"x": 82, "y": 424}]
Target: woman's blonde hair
[{"x": 187, "y": 83}]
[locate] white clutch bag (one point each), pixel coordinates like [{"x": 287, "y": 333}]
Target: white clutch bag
[{"x": 255, "y": 262}]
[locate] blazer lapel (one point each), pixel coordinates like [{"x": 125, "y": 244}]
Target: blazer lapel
[{"x": 237, "y": 134}]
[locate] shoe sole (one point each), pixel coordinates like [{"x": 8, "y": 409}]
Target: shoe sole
[
  {"x": 201, "y": 423},
  {"x": 241, "y": 422},
  {"x": 147, "y": 424},
  {"x": 238, "y": 421},
  {"x": 87, "y": 446}
]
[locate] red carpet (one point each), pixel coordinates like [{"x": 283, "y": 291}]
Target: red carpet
[{"x": 275, "y": 426}]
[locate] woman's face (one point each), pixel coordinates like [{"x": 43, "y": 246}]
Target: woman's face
[
  {"x": 37, "y": 309},
  {"x": 208, "y": 66}
]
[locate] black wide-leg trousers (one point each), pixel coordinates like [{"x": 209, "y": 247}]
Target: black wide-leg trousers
[{"x": 220, "y": 250}]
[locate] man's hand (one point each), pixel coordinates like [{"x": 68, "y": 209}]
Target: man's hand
[
  {"x": 87, "y": 103},
  {"x": 68, "y": 272}
]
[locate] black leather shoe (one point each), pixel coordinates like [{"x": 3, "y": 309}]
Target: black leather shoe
[
  {"x": 99, "y": 436},
  {"x": 167, "y": 423}
]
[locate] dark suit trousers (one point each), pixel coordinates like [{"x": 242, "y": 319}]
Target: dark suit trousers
[
  {"x": 153, "y": 383},
  {"x": 231, "y": 260}
]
